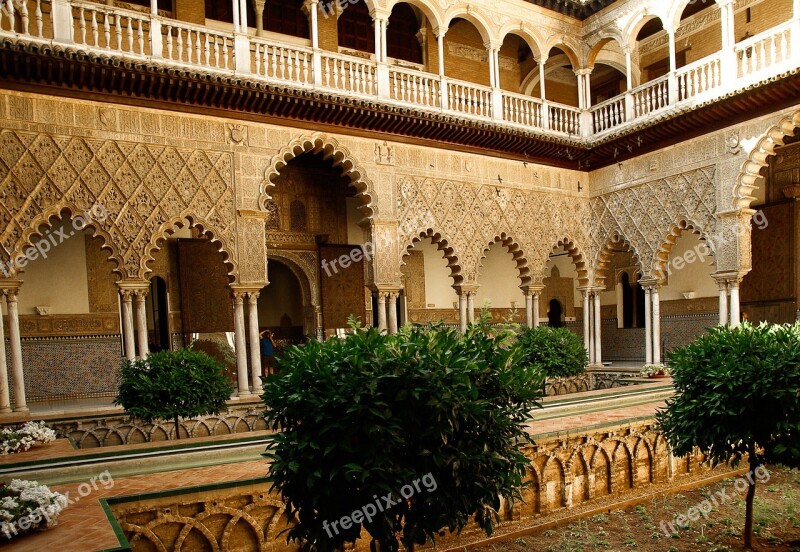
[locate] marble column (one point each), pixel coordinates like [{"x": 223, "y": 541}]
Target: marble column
[
  {"x": 733, "y": 286},
  {"x": 492, "y": 72},
  {"x": 656, "y": 312},
  {"x": 462, "y": 311},
  {"x": 529, "y": 309},
  {"x": 255, "y": 342},
  {"x": 382, "y": 325},
  {"x": 140, "y": 296},
  {"x": 392, "y": 311},
  {"x": 259, "y": 8},
  {"x": 598, "y": 357},
  {"x": 128, "y": 335},
  {"x": 542, "y": 63},
  {"x": 240, "y": 343},
  {"x": 5, "y": 400},
  {"x": 587, "y": 325},
  {"x": 312, "y": 8},
  {"x": 243, "y": 15},
  {"x": 648, "y": 325},
  {"x": 471, "y": 307},
  {"x": 536, "y": 296},
  {"x": 236, "y": 20},
  {"x": 723, "y": 302},
  {"x": 20, "y": 404}
]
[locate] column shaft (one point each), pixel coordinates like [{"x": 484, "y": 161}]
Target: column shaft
[
  {"x": 536, "y": 296},
  {"x": 598, "y": 357},
  {"x": 656, "y": 326},
  {"x": 20, "y": 404},
  {"x": 462, "y": 311},
  {"x": 542, "y": 93},
  {"x": 255, "y": 342},
  {"x": 5, "y": 400},
  {"x": 384, "y": 45},
  {"x": 243, "y": 15},
  {"x": 141, "y": 323},
  {"x": 734, "y": 287},
  {"x": 440, "y": 52},
  {"x": 492, "y": 73},
  {"x": 312, "y": 6},
  {"x": 471, "y": 307},
  {"x": 240, "y": 342},
  {"x": 587, "y": 329},
  {"x": 392, "y": 312},
  {"x": 529, "y": 309},
  {"x": 723, "y": 303},
  {"x": 648, "y": 325},
  {"x": 128, "y": 336},
  {"x": 382, "y": 326}
]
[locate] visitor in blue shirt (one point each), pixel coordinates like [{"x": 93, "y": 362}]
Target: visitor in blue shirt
[{"x": 267, "y": 352}]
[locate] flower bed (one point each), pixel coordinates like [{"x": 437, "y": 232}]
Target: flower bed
[
  {"x": 21, "y": 438},
  {"x": 26, "y": 506}
]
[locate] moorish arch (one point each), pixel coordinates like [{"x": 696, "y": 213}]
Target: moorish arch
[
  {"x": 603, "y": 261},
  {"x": 425, "y": 6},
  {"x": 661, "y": 257},
  {"x": 517, "y": 254},
  {"x": 204, "y": 228},
  {"x": 330, "y": 149},
  {"x": 473, "y": 16},
  {"x": 64, "y": 213},
  {"x": 576, "y": 254},
  {"x": 442, "y": 244}
]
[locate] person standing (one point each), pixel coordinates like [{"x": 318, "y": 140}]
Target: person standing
[{"x": 267, "y": 352}]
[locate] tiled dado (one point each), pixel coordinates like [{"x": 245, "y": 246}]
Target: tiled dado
[{"x": 67, "y": 325}]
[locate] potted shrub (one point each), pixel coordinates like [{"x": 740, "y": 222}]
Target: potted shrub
[{"x": 655, "y": 370}]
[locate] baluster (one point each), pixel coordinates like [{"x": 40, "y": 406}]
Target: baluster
[
  {"x": 198, "y": 48},
  {"x": 258, "y": 60},
  {"x": 426, "y": 98},
  {"x": 206, "y": 50},
  {"x": 39, "y": 20},
  {"x": 785, "y": 45},
  {"x": 107, "y": 29},
  {"x": 23, "y": 12},
  {"x": 141, "y": 37},
  {"x": 82, "y": 26},
  {"x": 169, "y": 42},
  {"x": 336, "y": 72},
  {"x": 118, "y": 31},
  {"x": 326, "y": 73},
  {"x": 129, "y": 31},
  {"x": 95, "y": 30},
  {"x": 216, "y": 53},
  {"x": 179, "y": 45},
  {"x": 225, "y": 57}
]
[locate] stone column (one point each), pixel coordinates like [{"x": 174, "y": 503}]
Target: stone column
[
  {"x": 392, "y": 308},
  {"x": 587, "y": 326},
  {"x": 536, "y": 295},
  {"x": 529, "y": 309},
  {"x": 382, "y": 325},
  {"x": 648, "y": 324},
  {"x": 462, "y": 311},
  {"x": 581, "y": 89},
  {"x": 598, "y": 357},
  {"x": 440, "y": 50},
  {"x": 255, "y": 342},
  {"x": 384, "y": 23},
  {"x": 656, "y": 310},
  {"x": 723, "y": 302},
  {"x": 240, "y": 343},
  {"x": 20, "y": 405},
  {"x": 243, "y": 15},
  {"x": 236, "y": 20},
  {"x": 141, "y": 321},
  {"x": 542, "y": 63},
  {"x": 492, "y": 72},
  {"x": 259, "y": 8},
  {"x": 673, "y": 66},
  {"x": 128, "y": 339},
  {"x": 471, "y": 306},
  {"x": 5, "y": 400},
  {"x": 733, "y": 285},
  {"x": 312, "y": 8}
]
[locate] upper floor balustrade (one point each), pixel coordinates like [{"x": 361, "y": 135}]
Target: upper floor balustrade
[{"x": 157, "y": 39}]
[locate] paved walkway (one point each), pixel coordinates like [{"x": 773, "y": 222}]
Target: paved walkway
[{"x": 83, "y": 526}]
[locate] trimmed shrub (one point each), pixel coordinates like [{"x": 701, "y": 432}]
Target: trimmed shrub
[
  {"x": 557, "y": 352},
  {"x": 169, "y": 385},
  {"x": 373, "y": 414}
]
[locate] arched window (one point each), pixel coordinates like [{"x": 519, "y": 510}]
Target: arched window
[
  {"x": 286, "y": 17},
  {"x": 401, "y": 35},
  {"x": 355, "y": 28}
]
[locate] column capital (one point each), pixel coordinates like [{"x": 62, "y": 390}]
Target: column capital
[
  {"x": 439, "y": 32},
  {"x": 650, "y": 283},
  {"x": 133, "y": 286},
  {"x": 378, "y": 14},
  {"x": 247, "y": 288},
  {"x": 584, "y": 71},
  {"x": 729, "y": 278},
  {"x": 466, "y": 289},
  {"x": 492, "y": 45},
  {"x": 10, "y": 286},
  {"x": 532, "y": 289}
]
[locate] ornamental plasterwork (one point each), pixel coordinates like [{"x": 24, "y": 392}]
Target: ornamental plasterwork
[
  {"x": 145, "y": 189},
  {"x": 645, "y": 215},
  {"x": 470, "y": 216}
]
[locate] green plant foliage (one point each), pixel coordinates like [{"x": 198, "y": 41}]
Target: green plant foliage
[
  {"x": 557, "y": 352},
  {"x": 220, "y": 351},
  {"x": 366, "y": 415},
  {"x": 736, "y": 394},
  {"x": 169, "y": 385}
]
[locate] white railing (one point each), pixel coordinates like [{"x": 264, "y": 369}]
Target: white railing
[
  {"x": 348, "y": 74},
  {"x": 522, "y": 110},
  {"x": 768, "y": 50},
  {"x": 699, "y": 77},
  {"x": 198, "y": 46},
  {"x": 24, "y": 17},
  {"x": 282, "y": 63},
  {"x": 114, "y": 29},
  {"x": 468, "y": 98},
  {"x": 143, "y": 35},
  {"x": 415, "y": 87},
  {"x": 650, "y": 97},
  {"x": 609, "y": 114},
  {"x": 565, "y": 119}
]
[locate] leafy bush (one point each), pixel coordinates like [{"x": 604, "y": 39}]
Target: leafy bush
[
  {"x": 219, "y": 350},
  {"x": 557, "y": 352},
  {"x": 736, "y": 394},
  {"x": 169, "y": 385},
  {"x": 371, "y": 414}
]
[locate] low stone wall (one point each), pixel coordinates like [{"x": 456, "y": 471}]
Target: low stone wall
[
  {"x": 589, "y": 381},
  {"x": 564, "y": 472},
  {"x": 121, "y": 430}
]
